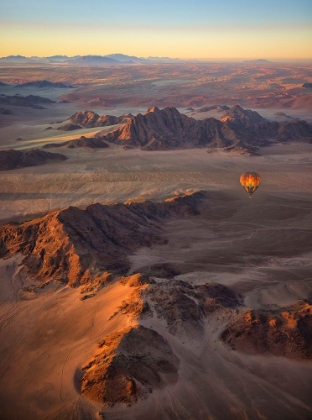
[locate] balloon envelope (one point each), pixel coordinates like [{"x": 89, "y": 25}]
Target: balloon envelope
[{"x": 250, "y": 181}]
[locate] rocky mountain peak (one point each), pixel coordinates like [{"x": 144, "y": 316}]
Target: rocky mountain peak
[
  {"x": 84, "y": 118},
  {"x": 63, "y": 245},
  {"x": 246, "y": 115},
  {"x": 240, "y": 130},
  {"x": 90, "y": 119},
  {"x": 152, "y": 109}
]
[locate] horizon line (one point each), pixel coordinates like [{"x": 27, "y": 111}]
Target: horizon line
[{"x": 202, "y": 59}]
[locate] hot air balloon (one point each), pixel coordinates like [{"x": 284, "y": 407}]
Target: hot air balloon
[{"x": 250, "y": 181}]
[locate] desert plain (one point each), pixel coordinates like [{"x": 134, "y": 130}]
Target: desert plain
[{"x": 196, "y": 306}]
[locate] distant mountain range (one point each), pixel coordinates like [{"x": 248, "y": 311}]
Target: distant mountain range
[
  {"x": 108, "y": 59},
  {"x": 258, "y": 61},
  {"x": 88, "y": 60}
]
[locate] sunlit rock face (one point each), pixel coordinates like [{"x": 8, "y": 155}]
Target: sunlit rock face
[
  {"x": 130, "y": 364},
  {"x": 73, "y": 245},
  {"x": 283, "y": 332}
]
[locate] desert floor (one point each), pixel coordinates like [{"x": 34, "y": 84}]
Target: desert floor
[{"x": 261, "y": 247}]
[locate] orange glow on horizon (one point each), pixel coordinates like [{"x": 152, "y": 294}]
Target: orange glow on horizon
[{"x": 230, "y": 43}]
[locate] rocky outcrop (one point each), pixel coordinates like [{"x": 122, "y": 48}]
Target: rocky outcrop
[
  {"x": 90, "y": 143},
  {"x": 44, "y": 84},
  {"x": 282, "y": 332},
  {"x": 184, "y": 306},
  {"x": 240, "y": 130},
  {"x": 4, "y": 111},
  {"x": 214, "y": 296},
  {"x": 86, "y": 142},
  {"x": 245, "y": 116},
  {"x": 135, "y": 361},
  {"x": 219, "y": 108},
  {"x": 126, "y": 368},
  {"x": 174, "y": 302},
  {"x": 293, "y": 130},
  {"x": 29, "y": 101},
  {"x": 69, "y": 127},
  {"x": 89, "y": 119},
  {"x": 130, "y": 364},
  {"x": 168, "y": 129},
  {"x": 73, "y": 245},
  {"x": 13, "y": 159}
]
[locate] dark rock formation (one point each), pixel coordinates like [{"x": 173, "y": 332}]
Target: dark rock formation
[
  {"x": 29, "y": 101},
  {"x": 90, "y": 143},
  {"x": 214, "y": 296},
  {"x": 12, "y": 159},
  {"x": 4, "y": 111},
  {"x": 219, "y": 108},
  {"x": 63, "y": 245},
  {"x": 240, "y": 130},
  {"x": 43, "y": 84},
  {"x": 131, "y": 364},
  {"x": 89, "y": 119},
  {"x": 307, "y": 85},
  {"x": 283, "y": 332},
  {"x": 173, "y": 303},
  {"x": 283, "y": 115},
  {"x": 184, "y": 306},
  {"x": 245, "y": 116},
  {"x": 168, "y": 129},
  {"x": 134, "y": 361},
  {"x": 293, "y": 130},
  {"x": 69, "y": 127}
]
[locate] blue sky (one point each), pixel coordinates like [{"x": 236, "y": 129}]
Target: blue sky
[
  {"x": 70, "y": 27},
  {"x": 159, "y": 12}
]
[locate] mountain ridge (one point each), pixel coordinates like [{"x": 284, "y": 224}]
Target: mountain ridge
[
  {"x": 109, "y": 59},
  {"x": 239, "y": 130},
  {"x": 42, "y": 84},
  {"x": 244, "y": 131},
  {"x": 63, "y": 245},
  {"x": 14, "y": 159}
]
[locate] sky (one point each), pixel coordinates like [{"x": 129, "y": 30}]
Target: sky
[{"x": 187, "y": 29}]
